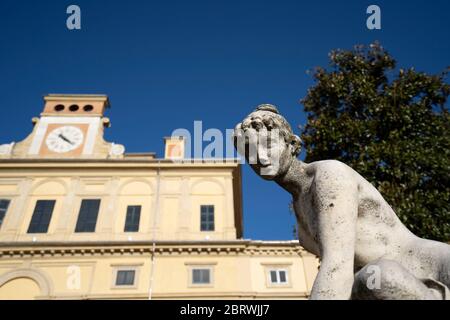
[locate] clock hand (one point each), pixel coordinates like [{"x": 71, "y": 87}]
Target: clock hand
[{"x": 65, "y": 139}]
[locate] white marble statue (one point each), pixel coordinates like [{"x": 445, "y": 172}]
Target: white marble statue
[{"x": 366, "y": 252}]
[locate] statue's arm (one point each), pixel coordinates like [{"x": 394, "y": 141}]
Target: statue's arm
[{"x": 336, "y": 208}]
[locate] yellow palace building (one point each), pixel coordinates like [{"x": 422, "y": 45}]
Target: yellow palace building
[{"x": 82, "y": 219}]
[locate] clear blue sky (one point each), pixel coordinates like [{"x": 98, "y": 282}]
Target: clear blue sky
[{"x": 167, "y": 63}]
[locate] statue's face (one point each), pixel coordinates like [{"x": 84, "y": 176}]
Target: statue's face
[{"x": 263, "y": 147}]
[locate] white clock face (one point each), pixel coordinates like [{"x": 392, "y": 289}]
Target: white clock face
[{"x": 64, "y": 139}]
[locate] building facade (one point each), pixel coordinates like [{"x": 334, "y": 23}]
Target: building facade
[{"x": 82, "y": 219}]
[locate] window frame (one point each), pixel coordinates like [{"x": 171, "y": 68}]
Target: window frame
[
  {"x": 286, "y": 268},
  {"x": 126, "y": 281},
  {"x": 208, "y": 222},
  {"x": 203, "y": 275},
  {"x": 35, "y": 216},
  {"x": 125, "y": 267},
  {"x": 138, "y": 222},
  {"x": 200, "y": 266},
  {"x": 77, "y": 223},
  {"x": 8, "y": 206}
]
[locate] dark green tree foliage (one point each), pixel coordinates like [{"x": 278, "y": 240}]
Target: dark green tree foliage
[{"x": 390, "y": 126}]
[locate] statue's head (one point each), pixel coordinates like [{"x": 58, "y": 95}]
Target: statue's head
[{"x": 267, "y": 142}]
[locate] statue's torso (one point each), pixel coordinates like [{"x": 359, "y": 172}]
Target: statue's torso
[{"x": 379, "y": 232}]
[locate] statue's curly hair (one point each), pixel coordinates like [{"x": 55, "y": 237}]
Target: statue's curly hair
[{"x": 269, "y": 116}]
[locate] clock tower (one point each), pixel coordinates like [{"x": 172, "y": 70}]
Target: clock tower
[{"x": 70, "y": 126}]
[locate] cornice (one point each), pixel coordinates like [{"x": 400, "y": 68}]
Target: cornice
[
  {"x": 169, "y": 248},
  {"x": 187, "y": 295},
  {"x": 93, "y": 162}
]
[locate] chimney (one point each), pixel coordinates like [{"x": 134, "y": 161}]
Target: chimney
[{"x": 174, "y": 147}]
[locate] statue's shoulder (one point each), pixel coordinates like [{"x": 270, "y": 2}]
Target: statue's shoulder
[
  {"x": 329, "y": 165},
  {"x": 331, "y": 171}
]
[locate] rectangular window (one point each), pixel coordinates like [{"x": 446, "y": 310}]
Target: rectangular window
[
  {"x": 41, "y": 216},
  {"x": 4, "y": 204},
  {"x": 273, "y": 276},
  {"x": 278, "y": 276},
  {"x": 132, "y": 219},
  {"x": 87, "y": 218},
  {"x": 201, "y": 276},
  {"x": 125, "y": 277},
  {"x": 207, "y": 218}
]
